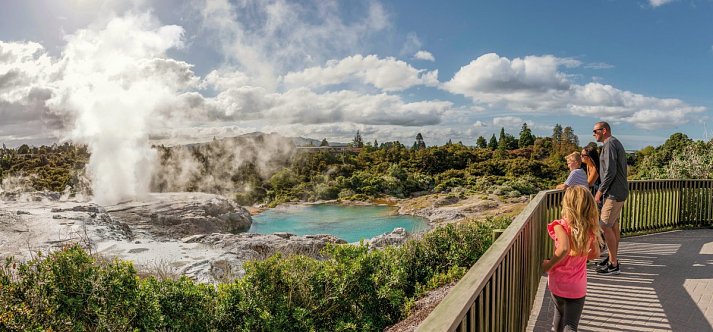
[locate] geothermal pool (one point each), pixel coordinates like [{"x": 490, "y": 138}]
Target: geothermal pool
[{"x": 351, "y": 223}]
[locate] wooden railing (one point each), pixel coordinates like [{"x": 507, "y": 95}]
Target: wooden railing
[{"x": 498, "y": 291}]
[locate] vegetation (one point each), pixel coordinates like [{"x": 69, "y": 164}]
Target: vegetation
[
  {"x": 508, "y": 167},
  {"x": 678, "y": 158},
  {"x": 53, "y": 168},
  {"x": 351, "y": 289}
]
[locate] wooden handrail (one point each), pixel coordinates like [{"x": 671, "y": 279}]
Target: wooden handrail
[{"x": 498, "y": 291}]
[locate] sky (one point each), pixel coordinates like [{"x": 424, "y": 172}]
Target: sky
[{"x": 118, "y": 75}]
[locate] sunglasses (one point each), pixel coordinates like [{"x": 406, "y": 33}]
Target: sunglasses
[{"x": 596, "y": 130}]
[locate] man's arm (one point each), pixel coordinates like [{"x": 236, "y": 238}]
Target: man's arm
[{"x": 608, "y": 169}]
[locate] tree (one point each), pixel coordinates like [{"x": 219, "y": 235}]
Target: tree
[
  {"x": 506, "y": 141},
  {"x": 449, "y": 142},
  {"x": 556, "y": 138},
  {"x": 502, "y": 136},
  {"x": 569, "y": 142},
  {"x": 419, "y": 144},
  {"x": 526, "y": 137},
  {"x": 324, "y": 142},
  {"x": 376, "y": 144},
  {"x": 481, "y": 142},
  {"x": 557, "y": 132},
  {"x": 358, "y": 143},
  {"x": 23, "y": 149},
  {"x": 493, "y": 144}
]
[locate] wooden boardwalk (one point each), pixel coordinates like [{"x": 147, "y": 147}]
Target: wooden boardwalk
[{"x": 666, "y": 284}]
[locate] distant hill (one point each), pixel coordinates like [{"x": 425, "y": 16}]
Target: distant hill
[
  {"x": 297, "y": 141},
  {"x": 301, "y": 141}
]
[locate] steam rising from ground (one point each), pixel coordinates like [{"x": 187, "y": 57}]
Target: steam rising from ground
[
  {"x": 112, "y": 85},
  {"x": 221, "y": 166}
]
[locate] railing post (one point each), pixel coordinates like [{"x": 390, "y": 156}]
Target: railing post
[
  {"x": 680, "y": 203},
  {"x": 497, "y": 233}
]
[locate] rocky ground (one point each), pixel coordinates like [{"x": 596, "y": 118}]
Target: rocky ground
[
  {"x": 448, "y": 208},
  {"x": 168, "y": 234}
]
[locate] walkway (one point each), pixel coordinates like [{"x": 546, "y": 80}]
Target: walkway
[{"x": 666, "y": 284}]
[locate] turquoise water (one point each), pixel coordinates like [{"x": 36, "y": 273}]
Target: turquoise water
[{"x": 351, "y": 223}]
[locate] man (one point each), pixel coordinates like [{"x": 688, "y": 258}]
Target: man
[{"x": 613, "y": 190}]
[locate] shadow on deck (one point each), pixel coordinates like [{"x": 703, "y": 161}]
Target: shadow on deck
[{"x": 666, "y": 284}]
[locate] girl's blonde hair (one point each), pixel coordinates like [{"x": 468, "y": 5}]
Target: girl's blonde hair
[{"x": 580, "y": 211}]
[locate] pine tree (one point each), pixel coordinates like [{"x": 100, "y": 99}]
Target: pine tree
[
  {"x": 481, "y": 142},
  {"x": 569, "y": 142},
  {"x": 503, "y": 142},
  {"x": 358, "y": 143},
  {"x": 556, "y": 138},
  {"x": 526, "y": 137},
  {"x": 419, "y": 144},
  {"x": 570, "y": 136},
  {"x": 493, "y": 144},
  {"x": 557, "y": 133},
  {"x": 324, "y": 142}
]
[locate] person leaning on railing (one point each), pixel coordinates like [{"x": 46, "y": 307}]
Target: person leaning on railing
[{"x": 576, "y": 177}]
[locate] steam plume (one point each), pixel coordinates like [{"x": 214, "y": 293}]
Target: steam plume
[{"x": 113, "y": 81}]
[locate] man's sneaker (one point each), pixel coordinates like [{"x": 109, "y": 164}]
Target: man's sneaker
[
  {"x": 603, "y": 263},
  {"x": 609, "y": 269}
]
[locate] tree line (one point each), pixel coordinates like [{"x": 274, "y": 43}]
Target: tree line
[{"x": 505, "y": 166}]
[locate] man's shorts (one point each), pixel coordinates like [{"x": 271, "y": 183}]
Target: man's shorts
[{"x": 611, "y": 210}]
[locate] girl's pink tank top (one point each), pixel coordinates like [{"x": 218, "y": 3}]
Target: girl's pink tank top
[{"x": 568, "y": 278}]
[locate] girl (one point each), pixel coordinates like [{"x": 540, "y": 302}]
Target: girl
[{"x": 577, "y": 238}]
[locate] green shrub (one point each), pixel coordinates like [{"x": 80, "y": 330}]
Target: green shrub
[
  {"x": 184, "y": 305},
  {"x": 70, "y": 288},
  {"x": 353, "y": 288}
]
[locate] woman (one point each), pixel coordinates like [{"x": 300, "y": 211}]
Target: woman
[
  {"x": 577, "y": 238},
  {"x": 590, "y": 158}
]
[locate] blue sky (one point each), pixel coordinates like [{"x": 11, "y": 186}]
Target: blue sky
[{"x": 104, "y": 73}]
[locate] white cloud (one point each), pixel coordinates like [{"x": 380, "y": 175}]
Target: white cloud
[
  {"x": 658, "y": 3},
  {"x": 598, "y": 65},
  {"x": 226, "y": 78},
  {"x": 308, "y": 107},
  {"x": 411, "y": 44},
  {"x": 535, "y": 83},
  {"x": 612, "y": 104},
  {"x": 25, "y": 74},
  {"x": 386, "y": 74},
  {"x": 266, "y": 38},
  {"x": 531, "y": 83},
  {"x": 424, "y": 55},
  {"x": 510, "y": 122}
]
